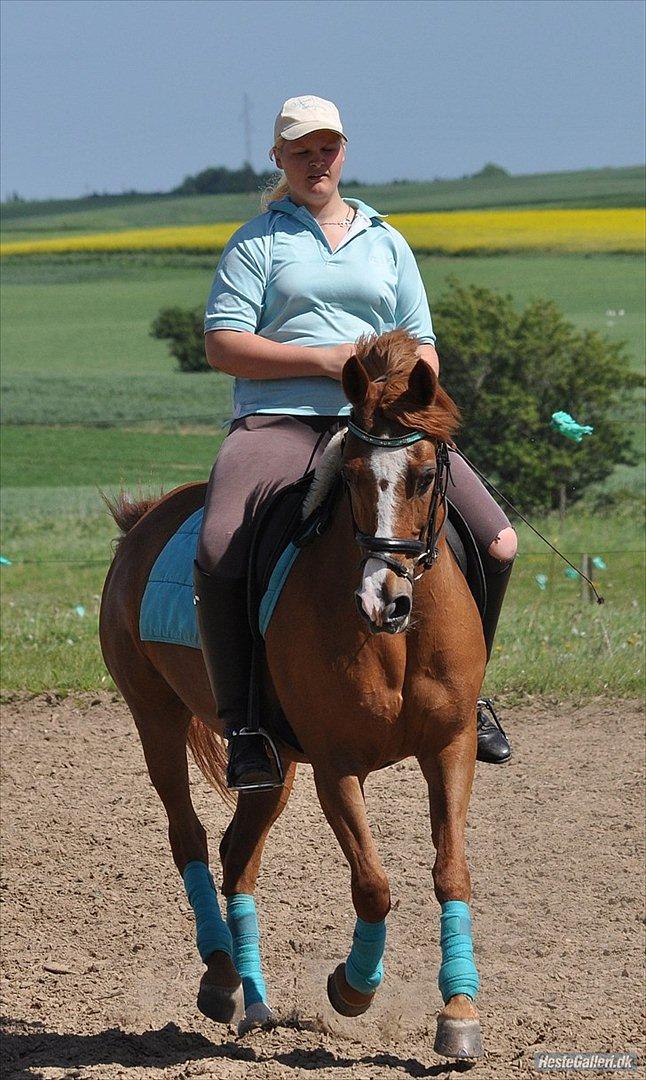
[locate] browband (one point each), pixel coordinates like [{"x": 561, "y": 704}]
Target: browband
[{"x": 375, "y": 440}]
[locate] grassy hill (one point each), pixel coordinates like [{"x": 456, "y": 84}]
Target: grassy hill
[{"x": 586, "y": 188}]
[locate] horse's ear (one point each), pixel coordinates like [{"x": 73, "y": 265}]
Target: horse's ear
[
  {"x": 355, "y": 381},
  {"x": 422, "y": 384}
]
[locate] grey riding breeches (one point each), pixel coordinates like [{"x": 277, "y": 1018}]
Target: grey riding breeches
[{"x": 263, "y": 453}]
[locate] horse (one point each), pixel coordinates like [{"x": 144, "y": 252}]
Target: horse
[{"x": 370, "y": 666}]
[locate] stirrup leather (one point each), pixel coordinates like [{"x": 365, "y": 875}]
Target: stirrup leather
[
  {"x": 486, "y": 703},
  {"x": 276, "y": 765}
]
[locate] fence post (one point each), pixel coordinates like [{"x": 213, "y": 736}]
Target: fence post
[{"x": 586, "y": 568}]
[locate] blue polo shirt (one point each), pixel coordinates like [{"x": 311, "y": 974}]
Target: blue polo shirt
[{"x": 279, "y": 278}]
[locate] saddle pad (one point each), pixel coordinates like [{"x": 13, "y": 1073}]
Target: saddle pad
[{"x": 167, "y": 610}]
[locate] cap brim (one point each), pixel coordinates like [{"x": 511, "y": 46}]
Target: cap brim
[{"x": 297, "y": 131}]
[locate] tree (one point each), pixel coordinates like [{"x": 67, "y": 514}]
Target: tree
[
  {"x": 218, "y": 180},
  {"x": 185, "y": 331},
  {"x": 509, "y": 371}
]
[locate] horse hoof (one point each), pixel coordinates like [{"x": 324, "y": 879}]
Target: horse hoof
[
  {"x": 344, "y": 998},
  {"x": 256, "y": 1015},
  {"x": 460, "y": 1039},
  {"x": 221, "y": 1003}
]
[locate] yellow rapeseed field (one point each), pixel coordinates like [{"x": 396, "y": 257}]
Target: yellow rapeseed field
[{"x": 460, "y": 231}]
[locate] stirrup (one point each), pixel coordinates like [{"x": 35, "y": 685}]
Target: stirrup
[{"x": 273, "y": 757}]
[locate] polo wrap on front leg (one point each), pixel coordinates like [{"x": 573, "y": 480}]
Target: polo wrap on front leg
[
  {"x": 458, "y": 972},
  {"x": 364, "y": 968},
  {"x": 212, "y": 933},
  {"x": 243, "y": 924}
]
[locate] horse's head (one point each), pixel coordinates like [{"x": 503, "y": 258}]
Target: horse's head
[{"x": 394, "y": 468}]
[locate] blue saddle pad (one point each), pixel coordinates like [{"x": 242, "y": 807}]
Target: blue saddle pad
[{"x": 167, "y": 610}]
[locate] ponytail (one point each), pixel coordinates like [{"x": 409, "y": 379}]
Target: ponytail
[{"x": 276, "y": 189}]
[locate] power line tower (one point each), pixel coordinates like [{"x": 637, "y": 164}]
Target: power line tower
[{"x": 246, "y": 118}]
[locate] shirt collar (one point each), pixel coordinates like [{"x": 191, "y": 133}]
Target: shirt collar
[{"x": 286, "y": 206}]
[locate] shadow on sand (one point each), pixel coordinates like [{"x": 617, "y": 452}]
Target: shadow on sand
[{"x": 29, "y": 1047}]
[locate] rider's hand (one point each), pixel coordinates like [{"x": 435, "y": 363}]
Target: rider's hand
[{"x": 334, "y": 358}]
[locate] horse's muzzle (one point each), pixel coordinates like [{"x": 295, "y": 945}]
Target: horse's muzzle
[{"x": 392, "y": 618}]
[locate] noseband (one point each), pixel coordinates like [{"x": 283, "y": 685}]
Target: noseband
[{"x": 424, "y": 550}]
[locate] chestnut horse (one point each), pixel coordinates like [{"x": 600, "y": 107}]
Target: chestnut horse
[{"x": 370, "y": 667}]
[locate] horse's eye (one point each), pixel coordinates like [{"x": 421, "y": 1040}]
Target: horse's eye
[{"x": 424, "y": 481}]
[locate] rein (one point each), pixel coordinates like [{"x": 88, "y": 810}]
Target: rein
[{"x": 424, "y": 550}]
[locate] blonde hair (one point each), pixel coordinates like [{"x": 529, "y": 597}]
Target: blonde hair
[{"x": 278, "y": 189}]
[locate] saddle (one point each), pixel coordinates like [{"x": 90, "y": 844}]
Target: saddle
[{"x": 279, "y": 534}]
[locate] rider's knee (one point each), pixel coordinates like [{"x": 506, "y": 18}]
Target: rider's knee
[{"x": 505, "y": 546}]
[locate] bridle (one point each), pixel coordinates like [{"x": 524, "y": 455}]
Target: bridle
[{"x": 424, "y": 550}]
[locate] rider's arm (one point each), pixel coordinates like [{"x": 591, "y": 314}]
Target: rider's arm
[
  {"x": 428, "y": 353},
  {"x": 412, "y": 311},
  {"x": 249, "y": 356}
]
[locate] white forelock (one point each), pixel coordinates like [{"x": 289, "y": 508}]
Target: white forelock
[{"x": 326, "y": 472}]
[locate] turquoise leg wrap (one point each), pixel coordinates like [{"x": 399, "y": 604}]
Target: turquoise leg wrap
[
  {"x": 213, "y": 934},
  {"x": 458, "y": 972},
  {"x": 363, "y": 968},
  {"x": 243, "y": 924}
]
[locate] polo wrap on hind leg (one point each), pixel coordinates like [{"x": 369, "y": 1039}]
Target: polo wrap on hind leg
[
  {"x": 243, "y": 924},
  {"x": 212, "y": 933},
  {"x": 458, "y": 972},
  {"x": 364, "y": 968}
]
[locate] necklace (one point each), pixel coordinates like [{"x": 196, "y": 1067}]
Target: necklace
[{"x": 346, "y": 221}]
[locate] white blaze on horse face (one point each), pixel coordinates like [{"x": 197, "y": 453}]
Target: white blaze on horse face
[{"x": 388, "y": 468}]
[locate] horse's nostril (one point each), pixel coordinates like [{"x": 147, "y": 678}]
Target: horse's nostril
[{"x": 399, "y": 608}]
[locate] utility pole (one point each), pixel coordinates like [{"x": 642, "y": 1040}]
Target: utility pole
[{"x": 246, "y": 117}]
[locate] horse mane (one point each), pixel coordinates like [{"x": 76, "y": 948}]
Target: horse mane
[{"x": 388, "y": 361}]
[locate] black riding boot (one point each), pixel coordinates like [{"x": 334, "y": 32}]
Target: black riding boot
[
  {"x": 227, "y": 646},
  {"x": 493, "y": 744}
]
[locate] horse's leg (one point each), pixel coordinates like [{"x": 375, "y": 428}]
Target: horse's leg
[
  {"x": 241, "y": 851},
  {"x": 449, "y": 770},
  {"x": 352, "y": 986},
  {"x": 163, "y": 723}
]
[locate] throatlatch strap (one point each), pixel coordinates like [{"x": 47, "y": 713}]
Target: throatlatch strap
[
  {"x": 212, "y": 933},
  {"x": 458, "y": 972},
  {"x": 243, "y": 924},
  {"x": 364, "y": 969}
]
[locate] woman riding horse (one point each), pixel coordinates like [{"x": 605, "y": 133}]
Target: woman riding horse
[{"x": 294, "y": 289}]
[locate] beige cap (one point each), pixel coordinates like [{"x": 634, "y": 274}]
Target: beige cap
[{"x": 301, "y": 115}]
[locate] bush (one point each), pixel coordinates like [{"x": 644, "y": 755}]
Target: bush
[
  {"x": 509, "y": 371},
  {"x": 185, "y": 331}
]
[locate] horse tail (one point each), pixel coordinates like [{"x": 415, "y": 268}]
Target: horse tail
[
  {"x": 210, "y": 757},
  {"x": 127, "y": 511}
]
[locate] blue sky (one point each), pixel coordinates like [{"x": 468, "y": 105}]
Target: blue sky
[{"x": 119, "y": 94}]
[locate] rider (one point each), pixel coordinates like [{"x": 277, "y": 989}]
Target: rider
[{"x": 295, "y": 287}]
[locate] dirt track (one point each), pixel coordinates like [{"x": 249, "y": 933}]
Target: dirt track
[{"x": 100, "y": 969}]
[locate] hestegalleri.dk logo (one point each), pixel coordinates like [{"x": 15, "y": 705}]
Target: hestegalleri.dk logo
[{"x": 562, "y": 1060}]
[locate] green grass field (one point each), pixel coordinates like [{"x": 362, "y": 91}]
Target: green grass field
[
  {"x": 97, "y": 363},
  {"x": 91, "y": 402},
  {"x": 550, "y": 642},
  {"x": 591, "y": 187}
]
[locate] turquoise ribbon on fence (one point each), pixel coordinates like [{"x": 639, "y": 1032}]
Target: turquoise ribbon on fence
[
  {"x": 364, "y": 969},
  {"x": 566, "y": 425},
  {"x": 243, "y": 924},
  {"x": 458, "y": 972},
  {"x": 212, "y": 933}
]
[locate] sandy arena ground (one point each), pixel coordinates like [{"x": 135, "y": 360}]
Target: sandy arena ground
[{"x": 100, "y": 969}]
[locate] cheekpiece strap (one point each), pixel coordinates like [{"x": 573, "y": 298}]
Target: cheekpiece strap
[{"x": 374, "y": 440}]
